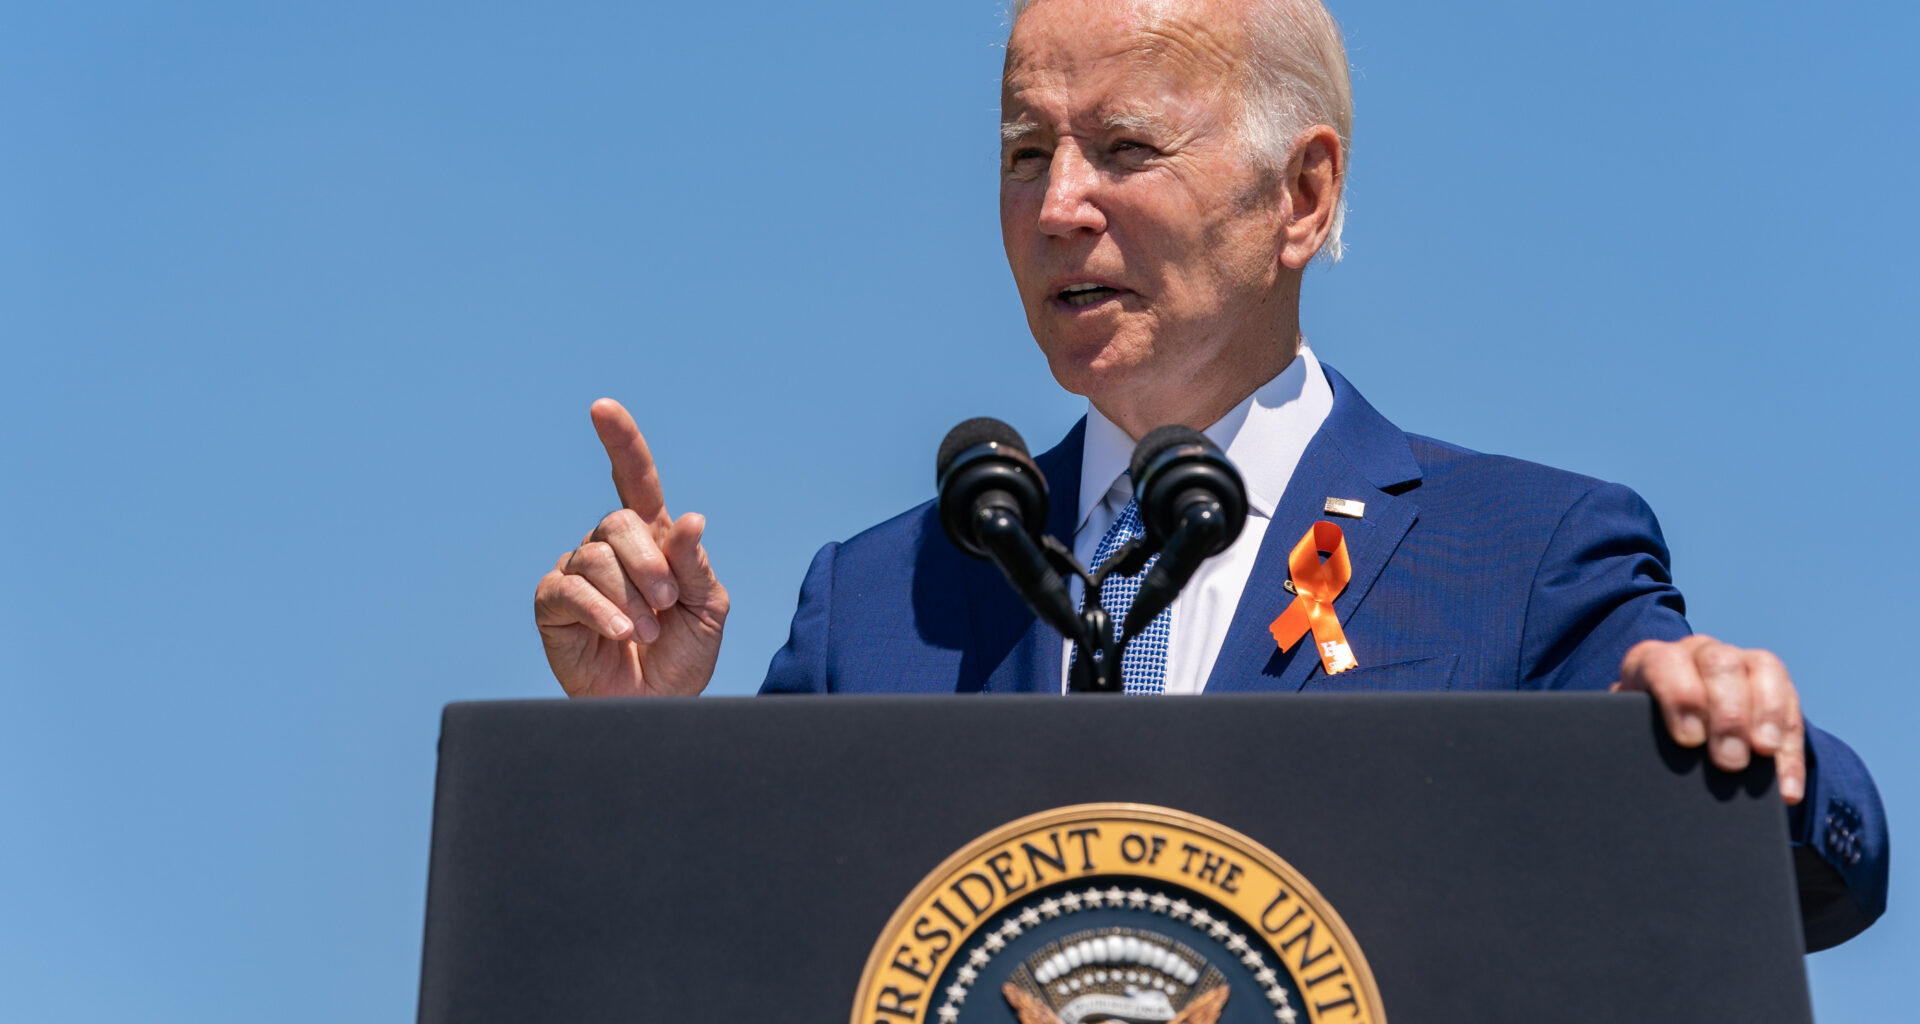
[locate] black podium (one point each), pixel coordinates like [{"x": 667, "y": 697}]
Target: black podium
[{"x": 1487, "y": 858}]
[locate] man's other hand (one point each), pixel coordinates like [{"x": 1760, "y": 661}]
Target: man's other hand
[
  {"x": 635, "y": 610},
  {"x": 1738, "y": 702}
]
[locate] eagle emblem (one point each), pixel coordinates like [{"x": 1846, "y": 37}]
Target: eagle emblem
[
  {"x": 1115, "y": 913},
  {"x": 1116, "y": 975}
]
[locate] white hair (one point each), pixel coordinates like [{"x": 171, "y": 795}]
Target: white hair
[{"x": 1296, "y": 78}]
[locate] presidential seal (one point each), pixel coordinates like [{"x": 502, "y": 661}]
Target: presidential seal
[{"x": 1116, "y": 914}]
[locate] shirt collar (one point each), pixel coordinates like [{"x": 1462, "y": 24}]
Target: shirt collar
[{"x": 1264, "y": 436}]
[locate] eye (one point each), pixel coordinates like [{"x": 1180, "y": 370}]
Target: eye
[
  {"x": 1129, "y": 155},
  {"x": 1028, "y": 162}
]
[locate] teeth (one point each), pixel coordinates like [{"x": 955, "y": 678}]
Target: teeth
[{"x": 1075, "y": 289}]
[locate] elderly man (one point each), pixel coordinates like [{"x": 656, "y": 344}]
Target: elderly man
[{"x": 1169, "y": 168}]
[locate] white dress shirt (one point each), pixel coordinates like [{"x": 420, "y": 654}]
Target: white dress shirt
[{"x": 1264, "y": 436}]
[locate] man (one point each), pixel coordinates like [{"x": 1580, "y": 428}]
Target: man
[{"x": 1169, "y": 169}]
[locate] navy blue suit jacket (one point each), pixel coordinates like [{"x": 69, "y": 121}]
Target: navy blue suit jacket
[{"x": 1470, "y": 572}]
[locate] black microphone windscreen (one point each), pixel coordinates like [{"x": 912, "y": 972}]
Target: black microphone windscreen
[
  {"x": 977, "y": 431},
  {"x": 1173, "y": 435}
]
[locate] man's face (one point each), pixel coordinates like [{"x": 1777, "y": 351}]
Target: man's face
[{"x": 1142, "y": 235}]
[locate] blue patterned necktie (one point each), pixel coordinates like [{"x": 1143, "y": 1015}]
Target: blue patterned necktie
[{"x": 1143, "y": 669}]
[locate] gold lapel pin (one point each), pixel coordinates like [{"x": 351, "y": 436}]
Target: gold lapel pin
[{"x": 1346, "y": 507}]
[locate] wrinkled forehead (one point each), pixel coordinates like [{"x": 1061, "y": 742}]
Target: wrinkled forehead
[{"x": 1067, "y": 50}]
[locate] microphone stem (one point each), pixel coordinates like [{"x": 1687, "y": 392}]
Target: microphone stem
[
  {"x": 1020, "y": 559},
  {"x": 1192, "y": 542},
  {"x": 1034, "y": 578}
]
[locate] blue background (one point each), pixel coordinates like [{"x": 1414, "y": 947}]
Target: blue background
[{"x": 302, "y": 308}]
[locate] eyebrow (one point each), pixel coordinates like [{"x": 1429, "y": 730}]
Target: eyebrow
[
  {"x": 1129, "y": 122},
  {"x": 1013, "y": 131}
]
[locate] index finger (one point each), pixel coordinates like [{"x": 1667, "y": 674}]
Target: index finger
[{"x": 633, "y": 474}]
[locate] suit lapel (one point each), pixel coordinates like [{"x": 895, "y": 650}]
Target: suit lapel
[
  {"x": 1355, "y": 454},
  {"x": 1000, "y": 617}
]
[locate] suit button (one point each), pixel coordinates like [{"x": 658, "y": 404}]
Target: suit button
[{"x": 1843, "y": 832}]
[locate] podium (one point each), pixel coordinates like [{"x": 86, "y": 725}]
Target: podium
[{"x": 1458, "y": 857}]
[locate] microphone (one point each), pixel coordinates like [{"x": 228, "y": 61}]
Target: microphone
[
  {"x": 993, "y": 505},
  {"x": 1192, "y": 503}
]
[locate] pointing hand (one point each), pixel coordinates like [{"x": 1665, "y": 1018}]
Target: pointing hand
[{"x": 635, "y": 610}]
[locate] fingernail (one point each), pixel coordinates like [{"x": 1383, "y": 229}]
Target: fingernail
[
  {"x": 665, "y": 595},
  {"x": 1730, "y": 752},
  {"x": 646, "y": 630},
  {"x": 1692, "y": 730},
  {"x": 619, "y": 624},
  {"x": 1792, "y": 789},
  {"x": 1768, "y": 736}
]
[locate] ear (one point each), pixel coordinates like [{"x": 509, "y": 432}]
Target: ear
[{"x": 1314, "y": 177}]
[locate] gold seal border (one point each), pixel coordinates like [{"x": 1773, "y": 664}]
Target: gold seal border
[{"x": 1096, "y": 813}]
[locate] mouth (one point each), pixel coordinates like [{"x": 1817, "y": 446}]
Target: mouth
[{"x": 1081, "y": 296}]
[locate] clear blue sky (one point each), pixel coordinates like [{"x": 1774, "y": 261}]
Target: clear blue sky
[{"x": 302, "y": 308}]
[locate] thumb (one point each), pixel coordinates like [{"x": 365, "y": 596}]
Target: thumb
[{"x": 699, "y": 589}]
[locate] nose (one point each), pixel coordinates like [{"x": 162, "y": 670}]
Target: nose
[{"x": 1071, "y": 185}]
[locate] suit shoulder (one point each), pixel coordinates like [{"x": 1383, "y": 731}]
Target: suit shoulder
[
  {"x": 1517, "y": 483},
  {"x": 895, "y": 556},
  {"x": 890, "y": 536}
]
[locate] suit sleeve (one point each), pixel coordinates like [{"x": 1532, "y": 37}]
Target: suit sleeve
[
  {"x": 801, "y": 665},
  {"x": 1840, "y": 844},
  {"x": 1602, "y": 586}
]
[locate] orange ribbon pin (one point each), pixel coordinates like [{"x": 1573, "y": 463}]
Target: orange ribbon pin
[{"x": 1315, "y": 585}]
